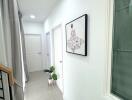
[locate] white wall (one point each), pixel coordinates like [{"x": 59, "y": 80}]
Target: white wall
[
  {"x": 32, "y": 27},
  {"x": 35, "y": 28},
  {"x": 83, "y": 76}
]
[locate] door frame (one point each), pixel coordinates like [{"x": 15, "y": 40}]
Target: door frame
[
  {"x": 50, "y": 48},
  {"x": 42, "y": 57},
  {"x": 53, "y": 53},
  {"x": 108, "y": 67}
]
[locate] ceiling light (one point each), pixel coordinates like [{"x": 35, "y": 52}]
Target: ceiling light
[{"x": 32, "y": 16}]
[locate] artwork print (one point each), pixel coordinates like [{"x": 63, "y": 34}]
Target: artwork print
[{"x": 76, "y": 36}]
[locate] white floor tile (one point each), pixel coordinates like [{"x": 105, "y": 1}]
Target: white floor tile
[{"x": 37, "y": 88}]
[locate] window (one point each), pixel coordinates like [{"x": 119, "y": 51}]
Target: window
[{"x": 121, "y": 84}]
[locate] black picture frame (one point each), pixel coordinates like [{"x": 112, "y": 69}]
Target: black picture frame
[{"x": 85, "y": 16}]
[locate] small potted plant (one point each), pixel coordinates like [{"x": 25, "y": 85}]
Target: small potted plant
[
  {"x": 53, "y": 76},
  {"x": 52, "y": 68}
]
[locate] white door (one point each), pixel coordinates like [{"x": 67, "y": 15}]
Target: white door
[
  {"x": 48, "y": 50},
  {"x": 58, "y": 58},
  {"x": 34, "y": 52}
]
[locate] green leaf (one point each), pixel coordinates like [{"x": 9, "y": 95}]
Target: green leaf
[
  {"x": 52, "y": 68},
  {"x": 54, "y": 76}
]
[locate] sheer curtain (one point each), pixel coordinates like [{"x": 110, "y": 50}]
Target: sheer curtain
[
  {"x": 26, "y": 72},
  {"x": 15, "y": 48},
  {"x": 3, "y": 58}
]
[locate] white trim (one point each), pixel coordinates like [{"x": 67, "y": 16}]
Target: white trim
[{"x": 109, "y": 31}]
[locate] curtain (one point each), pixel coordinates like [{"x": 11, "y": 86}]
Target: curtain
[
  {"x": 15, "y": 48},
  {"x": 23, "y": 48},
  {"x": 122, "y": 50},
  {"x": 3, "y": 58}
]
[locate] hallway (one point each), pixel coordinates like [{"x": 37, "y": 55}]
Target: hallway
[
  {"x": 37, "y": 88},
  {"x": 84, "y": 45}
]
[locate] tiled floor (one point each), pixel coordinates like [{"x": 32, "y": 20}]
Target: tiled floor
[{"x": 37, "y": 88}]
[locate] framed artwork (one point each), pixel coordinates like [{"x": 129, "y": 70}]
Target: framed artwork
[{"x": 76, "y": 36}]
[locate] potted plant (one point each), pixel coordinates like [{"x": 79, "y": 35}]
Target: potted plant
[
  {"x": 50, "y": 70},
  {"x": 52, "y": 76}
]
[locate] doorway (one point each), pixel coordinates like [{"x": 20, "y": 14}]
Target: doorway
[
  {"x": 33, "y": 44},
  {"x": 58, "y": 55}
]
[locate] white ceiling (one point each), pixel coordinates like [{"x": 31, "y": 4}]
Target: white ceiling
[{"x": 40, "y": 8}]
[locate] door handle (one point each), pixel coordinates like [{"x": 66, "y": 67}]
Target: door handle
[{"x": 61, "y": 61}]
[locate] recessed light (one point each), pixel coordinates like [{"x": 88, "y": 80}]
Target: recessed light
[{"x": 32, "y": 16}]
